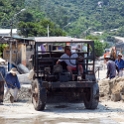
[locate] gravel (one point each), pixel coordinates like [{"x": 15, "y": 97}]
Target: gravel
[{"x": 24, "y": 95}]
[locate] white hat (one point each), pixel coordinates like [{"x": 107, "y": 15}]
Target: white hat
[
  {"x": 2, "y": 60},
  {"x": 119, "y": 54},
  {"x": 13, "y": 71}
]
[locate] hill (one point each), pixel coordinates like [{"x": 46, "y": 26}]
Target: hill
[{"x": 77, "y": 17}]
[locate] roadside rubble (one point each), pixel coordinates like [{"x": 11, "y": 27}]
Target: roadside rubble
[
  {"x": 112, "y": 89},
  {"x": 24, "y": 95}
]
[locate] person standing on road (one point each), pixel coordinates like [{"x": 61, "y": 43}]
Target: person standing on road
[
  {"x": 120, "y": 63},
  {"x": 2, "y": 75},
  {"x": 111, "y": 67},
  {"x": 13, "y": 84}
]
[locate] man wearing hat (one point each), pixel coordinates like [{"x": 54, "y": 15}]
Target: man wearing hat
[
  {"x": 70, "y": 61},
  {"x": 111, "y": 67},
  {"x": 120, "y": 63},
  {"x": 12, "y": 83}
]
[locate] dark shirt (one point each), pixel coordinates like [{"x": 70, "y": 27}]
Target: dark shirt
[
  {"x": 120, "y": 64},
  {"x": 3, "y": 72},
  {"x": 111, "y": 69},
  {"x": 12, "y": 81}
]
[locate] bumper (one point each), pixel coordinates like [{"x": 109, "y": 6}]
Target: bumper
[{"x": 69, "y": 84}]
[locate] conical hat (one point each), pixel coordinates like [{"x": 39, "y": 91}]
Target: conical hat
[{"x": 2, "y": 60}]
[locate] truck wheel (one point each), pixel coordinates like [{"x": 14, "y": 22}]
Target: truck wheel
[
  {"x": 91, "y": 97},
  {"x": 39, "y": 95}
]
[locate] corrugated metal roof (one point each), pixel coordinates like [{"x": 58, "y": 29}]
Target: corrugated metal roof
[
  {"x": 7, "y": 31},
  {"x": 22, "y": 38},
  {"x": 59, "y": 39},
  {"x": 119, "y": 45},
  {"x": 47, "y": 39},
  {"x": 6, "y": 39}
]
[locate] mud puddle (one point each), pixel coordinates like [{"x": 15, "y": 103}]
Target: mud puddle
[{"x": 43, "y": 120}]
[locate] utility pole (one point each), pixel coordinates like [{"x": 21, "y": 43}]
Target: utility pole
[
  {"x": 11, "y": 39},
  {"x": 48, "y": 30}
]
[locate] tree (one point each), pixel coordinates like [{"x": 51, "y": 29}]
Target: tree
[
  {"x": 39, "y": 29},
  {"x": 99, "y": 46},
  {"x": 2, "y": 47}
]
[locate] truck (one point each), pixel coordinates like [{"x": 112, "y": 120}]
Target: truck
[{"x": 51, "y": 80}]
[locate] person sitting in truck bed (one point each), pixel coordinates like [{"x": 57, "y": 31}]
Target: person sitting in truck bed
[{"x": 70, "y": 59}]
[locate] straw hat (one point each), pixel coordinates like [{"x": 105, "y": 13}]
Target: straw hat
[{"x": 13, "y": 71}]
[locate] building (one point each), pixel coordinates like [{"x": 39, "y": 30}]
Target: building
[
  {"x": 6, "y": 32},
  {"x": 18, "y": 50},
  {"x": 120, "y": 48}
]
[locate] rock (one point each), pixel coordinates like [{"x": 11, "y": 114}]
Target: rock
[
  {"x": 116, "y": 97},
  {"x": 113, "y": 87},
  {"x": 101, "y": 94},
  {"x": 122, "y": 95}
]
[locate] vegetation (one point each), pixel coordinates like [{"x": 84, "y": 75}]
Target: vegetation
[
  {"x": 94, "y": 15},
  {"x": 99, "y": 46},
  {"x": 78, "y": 18},
  {"x": 2, "y": 47},
  {"x": 43, "y": 28}
]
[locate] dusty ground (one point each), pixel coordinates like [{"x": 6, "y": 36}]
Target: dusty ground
[
  {"x": 107, "y": 112},
  {"x": 23, "y": 112}
]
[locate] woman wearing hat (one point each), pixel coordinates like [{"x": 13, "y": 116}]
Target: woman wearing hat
[
  {"x": 12, "y": 83},
  {"x": 120, "y": 63}
]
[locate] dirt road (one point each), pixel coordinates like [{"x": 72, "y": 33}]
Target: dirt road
[
  {"x": 22, "y": 112},
  {"x": 62, "y": 113}
]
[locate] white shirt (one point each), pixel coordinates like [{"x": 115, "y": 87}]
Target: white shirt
[{"x": 69, "y": 60}]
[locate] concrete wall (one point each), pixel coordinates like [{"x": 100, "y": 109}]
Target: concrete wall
[
  {"x": 18, "y": 54},
  {"x": 23, "y": 54}
]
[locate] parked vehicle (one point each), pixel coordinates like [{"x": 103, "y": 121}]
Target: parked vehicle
[{"x": 49, "y": 82}]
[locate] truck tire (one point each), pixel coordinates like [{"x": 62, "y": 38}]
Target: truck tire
[
  {"x": 39, "y": 96},
  {"x": 91, "y": 97}
]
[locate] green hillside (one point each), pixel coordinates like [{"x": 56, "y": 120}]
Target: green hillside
[
  {"x": 81, "y": 15},
  {"x": 77, "y": 17}
]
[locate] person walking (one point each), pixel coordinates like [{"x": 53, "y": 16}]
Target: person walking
[
  {"x": 12, "y": 83},
  {"x": 120, "y": 63},
  {"x": 111, "y": 68}
]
